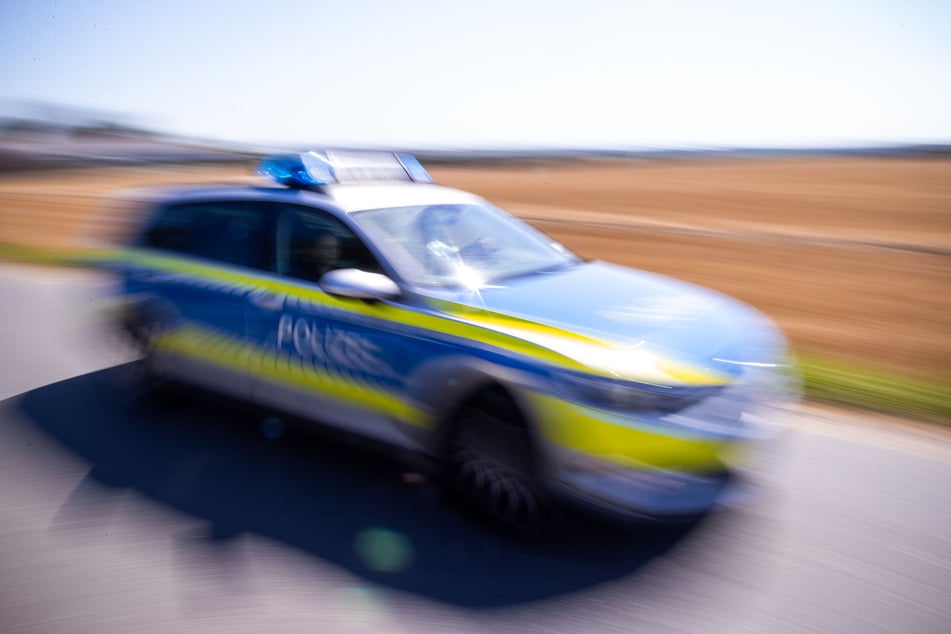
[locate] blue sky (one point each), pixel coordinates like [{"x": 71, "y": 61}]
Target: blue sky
[{"x": 494, "y": 73}]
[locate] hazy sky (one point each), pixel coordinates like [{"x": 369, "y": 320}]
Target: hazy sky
[{"x": 493, "y": 73}]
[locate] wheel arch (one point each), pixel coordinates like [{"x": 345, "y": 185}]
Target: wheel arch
[{"x": 451, "y": 385}]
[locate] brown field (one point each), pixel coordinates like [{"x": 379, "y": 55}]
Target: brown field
[{"x": 851, "y": 256}]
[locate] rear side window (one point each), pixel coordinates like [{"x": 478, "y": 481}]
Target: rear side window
[{"x": 226, "y": 231}]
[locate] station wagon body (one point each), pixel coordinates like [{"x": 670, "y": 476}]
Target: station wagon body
[{"x": 354, "y": 292}]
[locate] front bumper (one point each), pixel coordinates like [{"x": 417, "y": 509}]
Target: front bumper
[
  {"x": 665, "y": 467},
  {"x": 642, "y": 494}
]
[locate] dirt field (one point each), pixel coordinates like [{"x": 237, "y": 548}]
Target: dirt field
[{"x": 851, "y": 256}]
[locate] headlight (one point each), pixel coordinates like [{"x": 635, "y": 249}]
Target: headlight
[{"x": 625, "y": 396}]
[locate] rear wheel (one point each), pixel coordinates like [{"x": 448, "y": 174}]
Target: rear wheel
[
  {"x": 140, "y": 379},
  {"x": 491, "y": 464}
]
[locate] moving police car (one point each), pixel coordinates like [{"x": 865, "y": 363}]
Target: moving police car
[{"x": 357, "y": 293}]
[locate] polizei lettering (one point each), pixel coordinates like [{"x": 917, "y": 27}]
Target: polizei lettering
[{"x": 333, "y": 347}]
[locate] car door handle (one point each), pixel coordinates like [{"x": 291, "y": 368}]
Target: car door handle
[{"x": 267, "y": 301}]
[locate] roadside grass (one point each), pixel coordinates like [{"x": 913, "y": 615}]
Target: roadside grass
[
  {"x": 32, "y": 255},
  {"x": 51, "y": 256},
  {"x": 845, "y": 383},
  {"x": 826, "y": 380}
]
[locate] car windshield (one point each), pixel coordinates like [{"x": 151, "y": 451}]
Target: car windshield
[{"x": 465, "y": 245}]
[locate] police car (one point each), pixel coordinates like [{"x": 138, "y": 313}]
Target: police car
[{"x": 354, "y": 292}]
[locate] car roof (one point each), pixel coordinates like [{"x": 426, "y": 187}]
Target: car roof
[
  {"x": 377, "y": 196},
  {"x": 347, "y": 198}
]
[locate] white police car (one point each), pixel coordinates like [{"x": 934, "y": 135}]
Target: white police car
[{"x": 356, "y": 293}]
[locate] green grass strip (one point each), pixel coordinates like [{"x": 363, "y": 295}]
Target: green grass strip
[
  {"x": 32, "y": 255},
  {"x": 50, "y": 256},
  {"x": 849, "y": 384}
]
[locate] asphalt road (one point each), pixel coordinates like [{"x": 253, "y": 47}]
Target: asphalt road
[{"x": 120, "y": 516}]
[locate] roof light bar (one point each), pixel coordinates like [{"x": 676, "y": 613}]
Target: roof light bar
[{"x": 313, "y": 169}]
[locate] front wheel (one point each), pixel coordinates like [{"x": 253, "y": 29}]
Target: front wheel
[{"x": 491, "y": 468}]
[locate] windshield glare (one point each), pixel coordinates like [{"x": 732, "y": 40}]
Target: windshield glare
[{"x": 459, "y": 245}]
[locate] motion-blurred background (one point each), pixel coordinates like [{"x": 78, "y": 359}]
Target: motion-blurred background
[{"x": 796, "y": 155}]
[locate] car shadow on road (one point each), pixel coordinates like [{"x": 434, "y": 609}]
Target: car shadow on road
[{"x": 352, "y": 508}]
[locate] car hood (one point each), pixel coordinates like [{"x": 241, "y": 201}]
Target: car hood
[{"x": 625, "y": 323}]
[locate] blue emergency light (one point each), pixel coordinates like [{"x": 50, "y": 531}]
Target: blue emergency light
[{"x": 314, "y": 169}]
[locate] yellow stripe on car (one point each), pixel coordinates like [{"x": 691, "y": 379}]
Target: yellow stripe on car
[
  {"x": 554, "y": 346},
  {"x": 454, "y": 326},
  {"x": 288, "y": 370},
  {"x": 599, "y": 434},
  {"x": 595, "y": 355}
]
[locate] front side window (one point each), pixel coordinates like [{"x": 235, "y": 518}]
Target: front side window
[
  {"x": 311, "y": 242},
  {"x": 224, "y": 231},
  {"x": 460, "y": 245}
]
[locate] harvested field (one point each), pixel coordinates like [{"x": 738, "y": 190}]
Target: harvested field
[{"x": 851, "y": 256}]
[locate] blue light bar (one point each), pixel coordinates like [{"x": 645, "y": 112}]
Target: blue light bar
[{"x": 313, "y": 169}]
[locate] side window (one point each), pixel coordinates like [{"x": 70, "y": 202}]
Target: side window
[
  {"x": 311, "y": 242},
  {"x": 226, "y": 231}
]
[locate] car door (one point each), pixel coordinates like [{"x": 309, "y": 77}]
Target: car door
[
  {"x": 195, "y": 268},
  {"x": 318, "y": 356}
]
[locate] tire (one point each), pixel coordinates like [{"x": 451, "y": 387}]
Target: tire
[
  {"x": 139, "y": 379},
  {"x": 491, "y": 467}
]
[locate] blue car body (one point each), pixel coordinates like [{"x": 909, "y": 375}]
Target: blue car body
[{"x": 636, "y": 392}]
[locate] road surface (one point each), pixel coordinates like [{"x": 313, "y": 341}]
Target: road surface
[{"x": 120, "y": 517}]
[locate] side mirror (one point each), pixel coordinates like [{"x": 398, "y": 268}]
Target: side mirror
[{"x": 358, "y": 285}]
